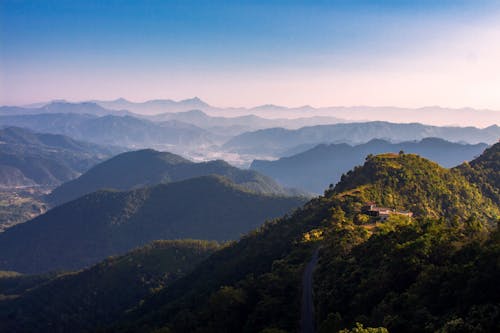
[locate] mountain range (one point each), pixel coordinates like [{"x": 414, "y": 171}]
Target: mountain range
[
  {"x": 435, "y": 271},
  {"x": 60, "y": 106},
  {"x": 277, "y": 141},
  {"x": 434, "y": 115},
  {"x": 119, "y": 130},
  {"x": 201, "y": 132},
  {"x": 324, "y": 164}
]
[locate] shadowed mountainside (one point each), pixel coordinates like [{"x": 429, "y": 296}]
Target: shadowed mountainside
[{"x": 324, "y": 164}]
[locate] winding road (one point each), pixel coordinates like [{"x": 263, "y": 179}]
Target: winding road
[{"x": 307, "y": 310}]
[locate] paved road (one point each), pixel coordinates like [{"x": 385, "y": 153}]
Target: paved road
[{"x": 307, "y": 311}]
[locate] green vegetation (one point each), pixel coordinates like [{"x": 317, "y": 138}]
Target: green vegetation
[
  {"x": 102, "y": 293},
  {"x": 485, "y": 172},
  {"x": 409, "y": 182}
]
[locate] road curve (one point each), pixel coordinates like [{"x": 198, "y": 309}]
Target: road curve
[{"x": 307, "y": 310}]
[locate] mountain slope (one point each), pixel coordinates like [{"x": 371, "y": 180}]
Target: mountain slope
[
  {"x": 107, "y": 289},
  {"x": 149, "y": 167},
  {"x": 324, "y": 164},
  {"x": 256, "y": 282},
  {"x": 275, "y": 141},
  {"x": 485, "y": 172},
  {"x": 86, "y": 230},
  {"x": 28, "y": 158}
]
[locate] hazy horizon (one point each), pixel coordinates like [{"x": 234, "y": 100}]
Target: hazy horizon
[
  {"x": 248, "y": 107},
  {"x": 394, "y": 53}
]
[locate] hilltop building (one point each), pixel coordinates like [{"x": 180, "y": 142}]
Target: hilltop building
[{"x": 383, "y": 213}]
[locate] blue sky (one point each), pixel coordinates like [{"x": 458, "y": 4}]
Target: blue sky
[{"x": 252, "y": 52}]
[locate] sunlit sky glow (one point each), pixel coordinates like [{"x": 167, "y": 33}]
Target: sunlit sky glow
[{"x": 229, "y": 53}]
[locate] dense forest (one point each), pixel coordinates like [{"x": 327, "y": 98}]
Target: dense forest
[{"x": 433, "y": 272}]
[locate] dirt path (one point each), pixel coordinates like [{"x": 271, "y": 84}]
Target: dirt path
[{"x": 307, "y": 311}]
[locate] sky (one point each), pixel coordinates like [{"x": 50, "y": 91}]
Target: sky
[{"x": 247, "y": 53}]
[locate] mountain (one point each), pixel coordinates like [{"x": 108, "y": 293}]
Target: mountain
[
  {"x": 61, "y": 107},
  {"x": 116, "y": 130},
  {"x": 155, "y": 106},
  {"x": 435, "y": 271},
  {"x": 275, "y": 141},
  {"x": 230, "y": 126},
  {"x": 435, "y": 115},
  {"x": 108, "y": 289},
  {"x": 28, "y": 158},
  {"x": 149, "y": 167},
  {"x": 323, "y": 164},
  {"x": 86, "y": 230}
]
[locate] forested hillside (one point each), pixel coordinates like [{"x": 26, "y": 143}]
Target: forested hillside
[
  {"x": 87, "y": 230},
  {"x": 87, "y": 299},
  {"x": 485, "y": 172}
]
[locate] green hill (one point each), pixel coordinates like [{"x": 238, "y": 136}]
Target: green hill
[
  {"x": 86, "y": 230},
  {"x": 485, "y": 172},
  {"x": 149, "y": 167},
  {"x": 409, "y": 182},
  {"x": 93, "y": 297}
]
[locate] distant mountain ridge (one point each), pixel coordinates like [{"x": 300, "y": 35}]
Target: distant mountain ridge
[
  {"x": 435, "y": 115},
  {"x": 313, "y": 169},
  {"x": 239, "y": 124},
  {"x": 87, "y": 230},
  {"x": 149, "y": 167},
  {"x": 275, "y": 141},
  {"x": 154, "y": 106},
  {"x": 120, "y": 130},
  {"x": 90, "y": 108},
  {"x": 28, "y": 158}
]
